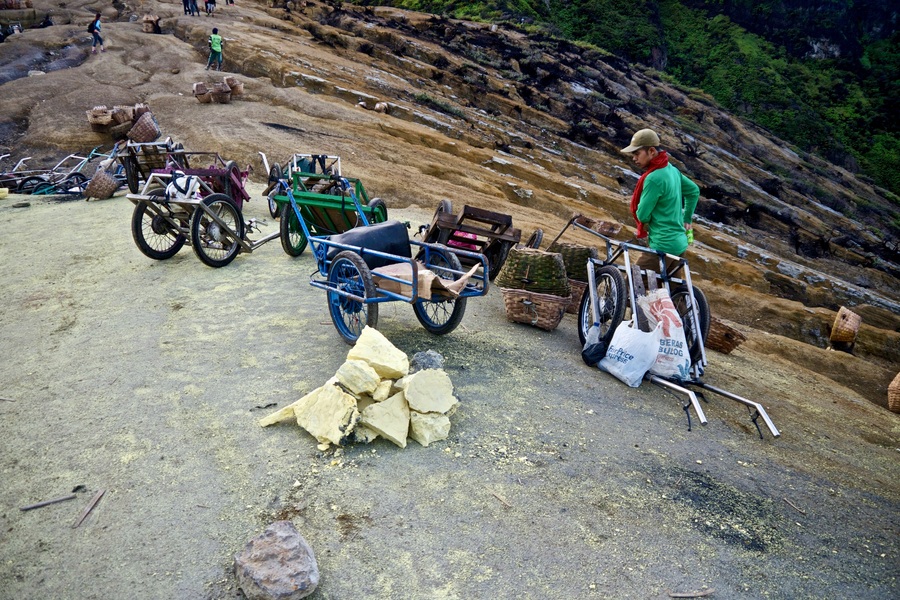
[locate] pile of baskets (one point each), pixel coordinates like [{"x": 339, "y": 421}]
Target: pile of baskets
[
  {"x": 132, "y": 122},
  {"x": 535, "y": 287},
  {"x": 221, "y": 92},
  {"x": 148, "y": 23}
]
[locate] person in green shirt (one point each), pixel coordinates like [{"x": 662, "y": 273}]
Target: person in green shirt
[
  {"x": 215, "y": 50},
  {"x": 663, "y": 202}
]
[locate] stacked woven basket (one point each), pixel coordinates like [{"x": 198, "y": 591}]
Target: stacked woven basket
[
  {"x": 123, "y": 122},
  {"x": 535, "y": 287},
  {"x": 575, "y": 257},
  {"x": 221, "y": 92}
]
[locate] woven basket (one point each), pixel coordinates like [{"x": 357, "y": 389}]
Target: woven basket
[
  {"x": 575, "y": 258},
  {"x": 140, "y": 109},
  {"x": 101, "y": 186},
  {"x": 535, "y": 271},
  {"x": 99, "y": 110},
  {"x": 607, "y": 228},
  {"x": 221, "y": 93},
  {"x": 894, "y": 395},
  {"x": 540, "y": 310},
  {"x": 120, "y": 131},
  {"x": 200, "y": 88},
  {"x": 102, "y": 118},
  {"x": 578, "y": 289},
  {"x": 127, "y": 110},
  {"x": 119, "y": 116},
  {"x": 723, "y": 338},
  {"x": 145, "y": 129},
  {"x": 237, "y": 88},
  {"x": 846, "y": 325},
  {"x": 204, "y": 98}
]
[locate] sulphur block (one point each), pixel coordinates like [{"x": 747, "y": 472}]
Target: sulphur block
[
  {"x": 372, "y": 347},
  {"x": 428, "y": 428},
  {"x": 358, "y": 377},
  {"x": 389, "y": 419},
  {"x": 430, "y": 391}
]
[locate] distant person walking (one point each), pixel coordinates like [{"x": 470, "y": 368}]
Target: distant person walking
[
  {"x": 215, "y": 50},
  {"x": 94, "y": 29},
  {"x": 210, "y": 7},
  {"x": 195, "y": 12},
  {"x": 663, "y": 202}
]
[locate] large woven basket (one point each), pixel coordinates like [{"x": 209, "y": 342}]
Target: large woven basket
[
  {"x": 894, "y": 395},
  {"x": 145, "y": 129},
  {"x": 578, "y": 289},
  {"x": 237, "y": 87},
  {"x": 607, "y": 228},
  {"x": 221, "y": 93},
  {"x": 99, "y": 116},
  {"x": 535, "y": 271},
  {"x": 204, "y": 98},
  {"x": 723, "y": 338},
  {"x": 123, "y": 113},
  {"x": 575, "y": 258},
  {"x": 101, "y": 186},
  {"x": 846, "y": 325},
  {"x": 540, "y": 310}
]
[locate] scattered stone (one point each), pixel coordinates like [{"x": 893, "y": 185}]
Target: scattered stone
[
  {"x": 430, "y": 391},
  {"x": 363, "y": 434},
  {"x": 358, "y": 377},
  {"x": 388, "y": 361},
  {"x": 329, "y": 414},
  {"x": 390, "y": 419},
  {"x": 426, "y": 360},
  {"x": 277, "y": 564},
  {"x": 383, "y": 391},
  {"x": 427, "y": 428}
]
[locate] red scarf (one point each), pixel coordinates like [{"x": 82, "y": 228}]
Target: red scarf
[{"x": 661, "y": 160}]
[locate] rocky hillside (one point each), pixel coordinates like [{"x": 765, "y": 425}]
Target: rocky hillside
[{"x": 488, "y": 116}]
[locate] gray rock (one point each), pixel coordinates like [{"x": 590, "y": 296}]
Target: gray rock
[
  {"x": 278, "y": 564},
  {"x": 426, "y": 360}
]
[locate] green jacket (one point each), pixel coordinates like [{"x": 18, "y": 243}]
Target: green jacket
[
  {"x": 215, "y": 42},
  {"x": 661, "y": 211}
]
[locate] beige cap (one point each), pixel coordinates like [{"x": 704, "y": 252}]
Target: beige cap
[{"x": 642, "y": 139}]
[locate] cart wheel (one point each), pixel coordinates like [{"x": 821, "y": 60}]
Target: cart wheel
[
  {"x": 44, "y": 189},
  {"x": 293, "y": 240},
  {"x": 154, "y": 236},
  {"x": 610, "y": 293},
  {"x": 132, "y": 175},
  {"x": 231, "y": 169},
  {"x": 441, "y": 316},
  {"x": 275, "y": 174},
  {"x": 74, "y": 181},
  {"x": 680, "y": 300},
  {"x": 349, "y": 273},
  {"x": 496, "y": 255},
  {"x": 378, "y": 210},
  {"x": 535, "y": 240},
  {"x": 214, "y": 244},
  {"x": 27, "y": 185}
]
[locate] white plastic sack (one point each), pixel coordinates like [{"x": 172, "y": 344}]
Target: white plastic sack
[
  {"x": 673, "y": 360},
  {"x": 631, "y": 353}
]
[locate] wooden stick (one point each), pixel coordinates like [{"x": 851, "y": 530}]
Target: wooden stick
[
  {"x": 791, "y": 504},
  {"x": 48, "y": 502},
  {"x": 697, "y": 594},
  {"x": 501, "y": 499},
  {"x": 89, "y": 508}
]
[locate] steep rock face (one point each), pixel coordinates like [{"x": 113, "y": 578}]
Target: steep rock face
[{"x": 481, "y": 115}]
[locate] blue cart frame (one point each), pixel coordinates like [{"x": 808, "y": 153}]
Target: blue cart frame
[{"x": 343, "y": 271}]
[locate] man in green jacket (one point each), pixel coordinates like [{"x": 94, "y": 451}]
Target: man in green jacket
[
  {"x": 663, "y": 202},
  {"x": 215, "y": 50}
]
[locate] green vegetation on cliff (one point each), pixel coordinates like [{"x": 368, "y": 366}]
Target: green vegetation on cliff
[{"x": 824, "y": 76}]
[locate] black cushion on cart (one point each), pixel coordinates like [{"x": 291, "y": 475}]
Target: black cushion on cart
[{"x": 389, "y": 237}]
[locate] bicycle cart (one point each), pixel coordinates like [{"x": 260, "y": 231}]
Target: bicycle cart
[
  {"x": 139, "y": 160},
  {"x": 201, "y": 204},
  {"x": 326, "y": 207},
  {"x": 609, "y": 294},
  {"x": 372, "y": 264},
  {"x": 66, "y": 177},
  {"x": 485, "y": 232}
]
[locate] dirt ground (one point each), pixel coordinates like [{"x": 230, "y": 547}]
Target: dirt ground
[{"x": 146, "y": 379}]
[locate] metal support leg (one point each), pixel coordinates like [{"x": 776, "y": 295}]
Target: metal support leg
[
  {"x": 760, "y": 411},
  {"x": 691, "y": 395}
]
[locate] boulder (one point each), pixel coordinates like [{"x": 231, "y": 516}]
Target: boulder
[
  {"x": 329, "y": 414},
  {"x": 427, "y": 428},
  {"x": 389, "y": 419},
  {"x": 372, "y": 347},
  {"x": 430, "y": 391},
  {"x": 428, "y": 359},
  {"x": 277, "y": 564},
  {"x": 358, "y": 377}
]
